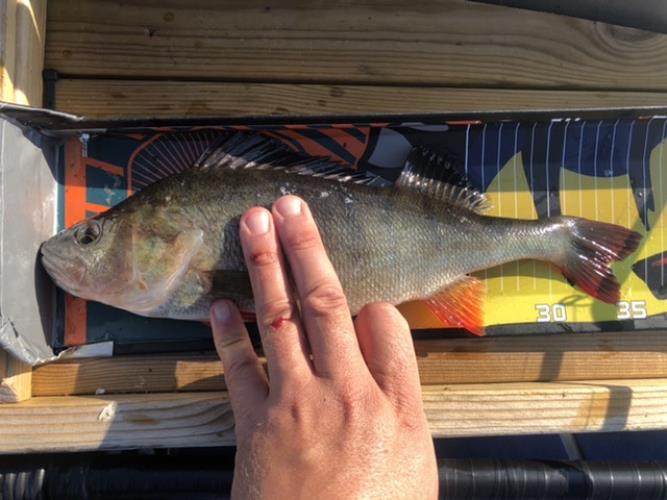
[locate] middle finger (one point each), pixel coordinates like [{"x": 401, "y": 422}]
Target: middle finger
[
  {"x": 280, "y": 329},
  {"x": 325, "y": 313}
]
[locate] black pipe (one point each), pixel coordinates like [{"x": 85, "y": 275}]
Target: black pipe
[
  {"x": 205, "y": 475},
  {"x": 523, "y": 480},
  {"x": 193, "y": 475},
  {"x": 648, "y": 15}
]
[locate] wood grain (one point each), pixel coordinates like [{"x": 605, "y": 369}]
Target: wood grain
[
  {"x": 30, "y": 41},
  {"x": 130, "y": 421},
  {"x": 443, "y": 361},
  {"x": 15, "y": 379},
  {"x": 7, "y": 49},
  {"x": 171, "y": 99},
  {"x": 22, "y": 35},
  {"x": 127, "y": 374},
  {"x": 434, "y": 42},
  {"x": 205, "y": 419}
]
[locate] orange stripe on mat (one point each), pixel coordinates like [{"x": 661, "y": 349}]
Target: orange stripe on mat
[
  {"x": 347, "y": 141},
  {"x": 75, "y": 211},
  {"x": 310, "y": 146},
  {"x": 94, "y": 207},
  {"x": 464, "y": 122},
  {"x": 75, "y": 321},
  {"x": 75, "y": 183},
  {"x": 107, "y": 167}
]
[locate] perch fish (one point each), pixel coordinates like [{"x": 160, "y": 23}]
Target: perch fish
[{"x": 173, "y": 248}]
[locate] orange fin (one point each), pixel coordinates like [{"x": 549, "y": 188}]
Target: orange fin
[{"x": 460, "y": 305}]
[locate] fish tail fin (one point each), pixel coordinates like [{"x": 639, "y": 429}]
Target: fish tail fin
[{"x": 591, "y": 248}]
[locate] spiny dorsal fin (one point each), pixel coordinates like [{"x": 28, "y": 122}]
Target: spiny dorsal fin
[
  {"x": 240, "y": 150},
  {"x": 435, "y": 176}
]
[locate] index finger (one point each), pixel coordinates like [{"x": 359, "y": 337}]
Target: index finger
[{"x": 324, "y": 310}]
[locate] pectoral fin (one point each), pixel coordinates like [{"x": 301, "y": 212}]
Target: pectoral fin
[
  {"x": 153, "y": 290},
  {"x": 186, "y": 246},
  {"x": 235, "y": 286},
  {"x": 460, "y": 305}
]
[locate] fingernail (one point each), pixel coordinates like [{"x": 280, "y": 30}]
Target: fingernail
[
  {"x": 221, "y": 312},
  {"x": 288, "y": 206},
  {"x": 257, "y": 222}
]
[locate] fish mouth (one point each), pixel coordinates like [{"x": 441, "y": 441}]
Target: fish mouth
[{"x": 66, "y": 275}]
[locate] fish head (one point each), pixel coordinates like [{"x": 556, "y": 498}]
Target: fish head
[
  {"x": 90, "y": 259},
  {"x": 133, "y": 261}
]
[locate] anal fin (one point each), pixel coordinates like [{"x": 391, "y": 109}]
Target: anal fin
[{"x": 460, "y": 305}]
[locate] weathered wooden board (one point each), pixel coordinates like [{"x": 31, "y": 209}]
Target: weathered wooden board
[
  {"x": 445, "y": 361},
  {"x": 205, "y": 419},
  {"x": 173, "y": 99},
  {"x": 15, "y": 379},
  {"x": 433, "y": 42},
  {"x": 22, "y": 34}
]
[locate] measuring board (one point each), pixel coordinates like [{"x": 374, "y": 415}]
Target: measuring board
[{"x": 605, "y": 170}]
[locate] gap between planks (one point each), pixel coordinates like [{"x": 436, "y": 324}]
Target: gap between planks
[
  {"x": 563, "y": 357},
  {"x": 205, "y": 419},
  {"x": 435, "y": 42},
  {"x": 170, "y": 99}
]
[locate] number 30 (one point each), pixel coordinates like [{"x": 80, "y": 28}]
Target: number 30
[{"x": 546, "y": 313}]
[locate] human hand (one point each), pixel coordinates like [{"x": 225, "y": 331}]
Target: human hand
[{"x": 340, "y": 414}]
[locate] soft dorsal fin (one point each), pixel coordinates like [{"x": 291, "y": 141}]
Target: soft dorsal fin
[
  {"x": 241, "y": 150},
  {"x": 436, "y": 176}
]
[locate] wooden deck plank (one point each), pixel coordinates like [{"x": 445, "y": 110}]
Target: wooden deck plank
[
  {"x": 7, "y": 49},
  {"x": 445, "y": 361},
  {"x": 15, "y": 379},
  {"x": 434, "y": 42},
  {"x": 205, "y": 419},
  {"x": 172, "y": 99},
  {"x": 22, "y": 30}
]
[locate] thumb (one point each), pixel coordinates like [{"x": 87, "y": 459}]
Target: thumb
[{"x": 246, "y": 381}]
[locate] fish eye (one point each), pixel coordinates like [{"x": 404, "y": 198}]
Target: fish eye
[{"x": 88, "y": 233}]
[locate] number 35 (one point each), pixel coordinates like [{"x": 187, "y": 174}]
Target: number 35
[{"x": 633, "y": 309}]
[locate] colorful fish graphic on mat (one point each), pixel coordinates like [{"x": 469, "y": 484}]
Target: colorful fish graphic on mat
[{"x": 608, "y": 170}]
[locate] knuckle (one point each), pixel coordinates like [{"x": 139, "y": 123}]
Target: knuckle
[
  {"x": 354, "y": 397},
  {"x": 325, "y": 298},
  {"x": 302, "y": 239},
  {"x": 237, "y": 366},
  {"x": 292, "y": 411},
  {"x": 276, "y": 314},
  {"x": 279, "y": 418},
  {"x": 410, "y": 416},
  {"x": 263, "y": 258}
]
